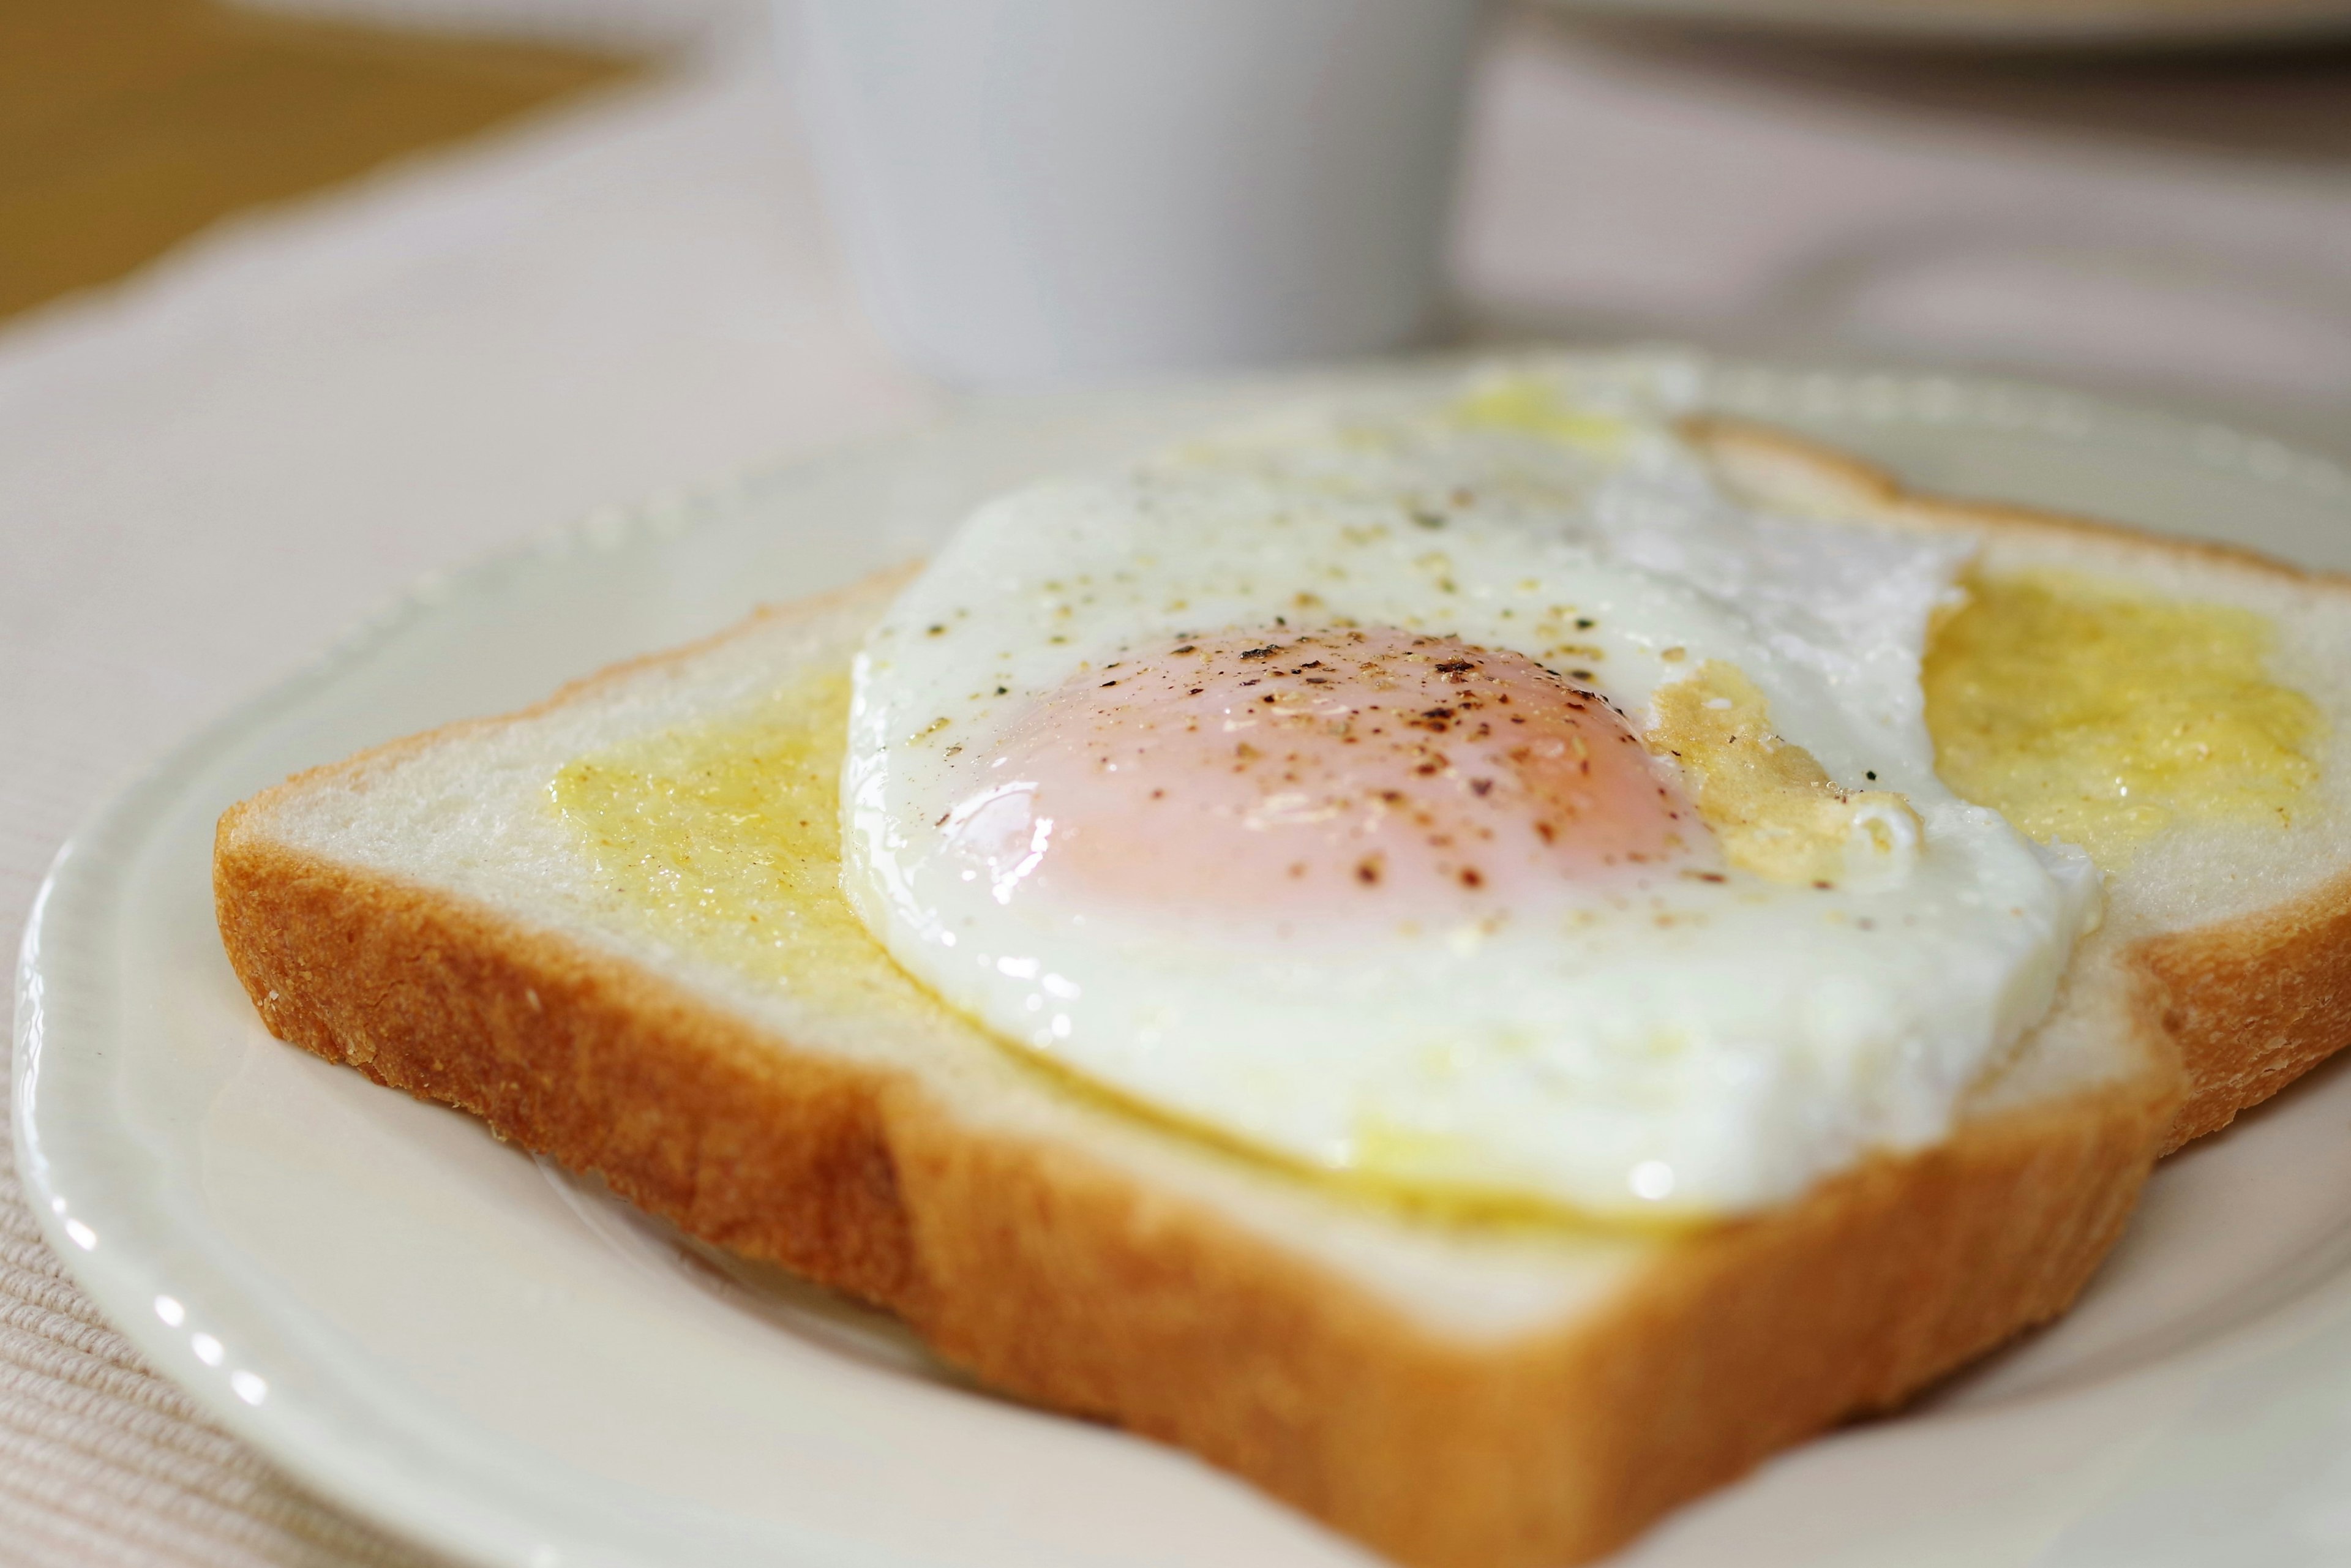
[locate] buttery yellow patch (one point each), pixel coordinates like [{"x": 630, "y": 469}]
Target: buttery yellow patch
[
  {"x": 1773, "y": 807},
  {"x": 2085, "y": 712},
  {"x": 1532, "y": 404},
  {"x": 725, "y": 836}
]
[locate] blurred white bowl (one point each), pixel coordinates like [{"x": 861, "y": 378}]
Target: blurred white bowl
[{"x": 1049, "y": 190}]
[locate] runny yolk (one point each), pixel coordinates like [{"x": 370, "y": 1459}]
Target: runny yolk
[{"x": 1273, "y": 772}]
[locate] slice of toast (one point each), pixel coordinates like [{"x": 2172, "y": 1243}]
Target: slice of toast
[{"x": 1452, "y": 1390}]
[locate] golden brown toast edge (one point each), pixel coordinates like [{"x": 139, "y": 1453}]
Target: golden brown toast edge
[{"x": 1061, "y": 1278}]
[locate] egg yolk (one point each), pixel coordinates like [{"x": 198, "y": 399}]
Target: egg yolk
[
  {"x": 1773, "y": 807},
  {"x": 1376, "y": 770}
]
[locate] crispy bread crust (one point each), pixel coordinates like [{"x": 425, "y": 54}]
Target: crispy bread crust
[
  {"x": 1766, "y": 461},
  {"x": 1060, "y": 1276},
  {"x": 2253, "y": 1005}
]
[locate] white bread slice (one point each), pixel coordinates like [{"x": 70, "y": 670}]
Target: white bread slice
[{"x": 1451, "y": 1392}]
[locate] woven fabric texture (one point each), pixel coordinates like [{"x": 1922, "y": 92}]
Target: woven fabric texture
[{"x": 103, "y": 1462}]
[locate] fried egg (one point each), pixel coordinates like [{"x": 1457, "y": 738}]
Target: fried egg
[{"x": 1454, "y": 789}]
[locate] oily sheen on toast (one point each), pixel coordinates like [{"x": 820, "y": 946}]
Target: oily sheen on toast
[{"x": 1450, "y": 1388}]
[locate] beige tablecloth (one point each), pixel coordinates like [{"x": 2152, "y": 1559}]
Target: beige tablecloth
[{"x": 207, "y": 473}]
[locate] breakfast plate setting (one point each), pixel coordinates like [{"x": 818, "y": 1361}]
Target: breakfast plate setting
[{"x": 504, "y": 1361}]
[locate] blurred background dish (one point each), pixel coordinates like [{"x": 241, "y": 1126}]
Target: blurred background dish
[
  {"x": 2174, "y": 226},
  {"x": 2029, "y": 24}
]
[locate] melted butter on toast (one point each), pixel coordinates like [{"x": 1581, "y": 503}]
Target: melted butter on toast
[
  {"x": 2086, "y": 712},
  {"x": 726, "y": 835}
]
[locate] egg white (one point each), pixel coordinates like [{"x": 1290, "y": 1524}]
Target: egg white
[{"x": 1662, "y": 1043}]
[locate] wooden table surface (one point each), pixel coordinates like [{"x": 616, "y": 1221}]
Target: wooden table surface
[{"x": 127, "y": 125}]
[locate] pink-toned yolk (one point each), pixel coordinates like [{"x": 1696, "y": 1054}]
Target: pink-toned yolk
[{"x": 1254, "y": 773}]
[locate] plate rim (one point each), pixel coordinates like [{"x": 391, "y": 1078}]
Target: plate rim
[{"x": 90, "y": 873}]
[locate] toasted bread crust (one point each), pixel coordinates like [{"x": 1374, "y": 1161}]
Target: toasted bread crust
[
  {"x": 2253, "y": 1005},
  {"x": 1063, "y": 1277},
  {"x": 1762, "y": 461}
]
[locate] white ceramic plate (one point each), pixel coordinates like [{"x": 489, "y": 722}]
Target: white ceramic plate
[
  {"x": 487, "y": 1357},
  {"x": 2062, "y": 24}
]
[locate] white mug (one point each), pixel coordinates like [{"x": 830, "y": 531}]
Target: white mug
[{"x": 1037, "y": 192}]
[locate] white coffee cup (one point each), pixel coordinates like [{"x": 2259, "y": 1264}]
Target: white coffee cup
[{"x": 1037, "y": 192}]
